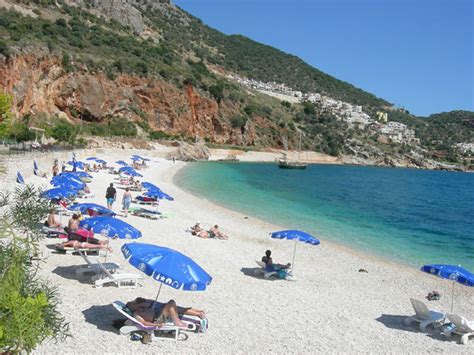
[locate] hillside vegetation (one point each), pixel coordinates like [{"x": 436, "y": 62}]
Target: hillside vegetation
[{"x": 179, "y": 49}]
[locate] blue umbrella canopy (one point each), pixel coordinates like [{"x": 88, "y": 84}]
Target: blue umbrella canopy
[
  {"x": 451, "y": 272},
  {"x": 91, "y": 158},
  {"x": 58, "y": 193},
  {"x": 101, "y": 161},
  {"x": 19, "y": 178},
  {"x": 76, "y": 164},
  {"x": 150, "y": 186},
  {"x": 296, "y": 234},
  {"x": 68, "y": 183},
  {"x": 111, "y": 227},
  {"x": 158, "y": 194},
  {"x": 126, "y": 168},
  {"x": 121, "y": 162},
  {"x": 79, "y": 174},
  {"x": 84, "y": 207},
  {"x": 132, "y": 173},
  {"x": 167, "y": 266}
]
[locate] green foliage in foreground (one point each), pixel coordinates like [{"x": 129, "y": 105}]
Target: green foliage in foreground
[{"x": 28, "y": 305}]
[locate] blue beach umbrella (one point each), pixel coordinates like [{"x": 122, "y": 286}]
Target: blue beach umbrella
[
  {"x": 167, "y": 266},
  {"x": 91, "y": 158},
  {"x": 111, "y": 227},
  {"x": 121, "y": 162},
  {"x": 158, "y": 194},
  {"x": 101, "y": 161},
  {"x": 67, "y": 183},
  {"x": 150, "y": 186},
  {"x": 84, "y": 207},
  {"x": 58, "y": 193},
  {"x": 19, "y": 178},
  {"x": 132, "y": 173},
  {"x": 451, "y": 272},
  {"x": 76, "y": 164},
  {"x": 126, "y": 168},
  {"x": 297, "y": 236},
  {"x": 80, "y": 174}
]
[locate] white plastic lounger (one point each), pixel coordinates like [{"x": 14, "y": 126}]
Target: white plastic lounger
[
  {"x": 72, "y": 250},
  {"x": 464, "y": 328},
  {"x": 146, "y": 203},
  {"x": 120, "y": 280},
  {"x": 94, "y": 268},
  {"x": 53, "y": 232},
  {"x": 133, "y": 325},
  {"x": 424, "y": 316}
]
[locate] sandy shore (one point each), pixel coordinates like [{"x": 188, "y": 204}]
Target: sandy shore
[{"x": 330, "y": 308}]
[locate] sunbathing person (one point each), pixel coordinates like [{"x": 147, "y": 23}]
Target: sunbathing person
[
  {"x": 270, "y": 266},
  {"x": 81, "y": 235},
  {"x": 198, "y": 231},
  {"x": 53, "y": 220},
  {"x": 153, "y": 313},
  {"x": 214, "y": 232}
]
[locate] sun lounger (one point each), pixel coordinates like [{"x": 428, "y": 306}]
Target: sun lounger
[
  {"x": 94, "y": 268},
  {"x": 143, "y": 212},
  {"x": 53, "y": 232},
  {"x": 133, "y": 325},
  {"x": 119, "y": 279},
  {"x": 145, "y": 203},
  {"x": 463, "y": 327},
  {"x": 424, "y": 316},
  {"x": 72, "y": 250}
]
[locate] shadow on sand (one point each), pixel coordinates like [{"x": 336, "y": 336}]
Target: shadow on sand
[
  {"x": 102, "y": 317},
  {"x": 398, "y": 323},
  {"x": 69, "y": 272},
  {"x": 256, "y": 273}
]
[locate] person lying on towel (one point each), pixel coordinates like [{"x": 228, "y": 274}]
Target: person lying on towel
[{"x": 153, "y": 313}]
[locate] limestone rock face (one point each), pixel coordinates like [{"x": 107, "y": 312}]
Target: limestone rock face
[
  {"x": 40, "y": 86},
  {"x": 126, "y": 12},
  {"x": 190, "y": 152}
]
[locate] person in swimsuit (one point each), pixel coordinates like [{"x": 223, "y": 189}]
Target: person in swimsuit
[
  {"x": 126, "y": 200},
  {"x": 270, "y": 266},
  {"x": 77, "y": 234},
  {"x": 53, "y": 220},
  {"x": 214, "y": 232},
  {"x": 153, "y": 313}
]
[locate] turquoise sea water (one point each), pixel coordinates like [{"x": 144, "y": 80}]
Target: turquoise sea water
[{"x": 410, "y": 216}]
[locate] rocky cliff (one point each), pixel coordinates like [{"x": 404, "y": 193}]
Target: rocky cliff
[{"x": 40, "y": 85}]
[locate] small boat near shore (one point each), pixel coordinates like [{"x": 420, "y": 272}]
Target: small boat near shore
[{"x": 286, "y": 164}]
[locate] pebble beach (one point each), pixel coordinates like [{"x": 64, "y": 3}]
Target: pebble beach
[{"x": 332, "y": 307}]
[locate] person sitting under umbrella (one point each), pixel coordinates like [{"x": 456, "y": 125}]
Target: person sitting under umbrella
[
  {"x": 281, "y": 269},
  {"x": 82, "y": 236},
  {"x": 53, "y": 220},
  {"x": 153, "y": 313}
]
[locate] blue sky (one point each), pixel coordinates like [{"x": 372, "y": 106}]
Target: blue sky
[{"x": 414, "y": 53}]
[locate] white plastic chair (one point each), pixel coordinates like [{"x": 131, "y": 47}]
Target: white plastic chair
[
  {"x": 424, "y": 316},
  {"x": 464, "y": 328}
]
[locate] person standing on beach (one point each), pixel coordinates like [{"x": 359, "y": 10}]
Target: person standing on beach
[
  {"x": 55, "y": 168},
  {"x": 126, "y": 200},
  {"x": 110, "y": 195}
]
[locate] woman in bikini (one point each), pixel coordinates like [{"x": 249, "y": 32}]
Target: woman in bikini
[{"x": 153, "y": 313}]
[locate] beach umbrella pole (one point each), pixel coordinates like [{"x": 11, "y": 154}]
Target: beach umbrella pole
[
  {"x": 159, "y": 289},
  {"x": 294, "y": 254},
  {"x": 452, "y": 298}
]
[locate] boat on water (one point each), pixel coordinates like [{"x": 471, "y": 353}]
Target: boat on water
[{"x": 287, "y": 164}]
